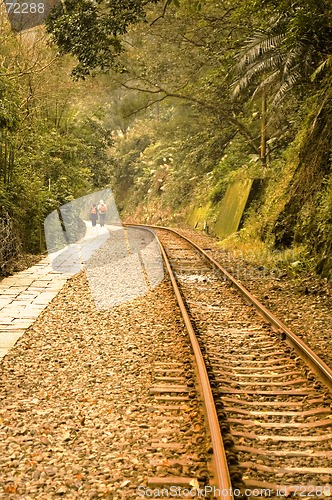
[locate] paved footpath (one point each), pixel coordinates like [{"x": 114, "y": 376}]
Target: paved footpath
[{"x": 23, "y": 297}]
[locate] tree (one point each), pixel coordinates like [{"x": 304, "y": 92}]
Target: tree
[
  {"x": 287, "y": 51},
  {"x": 283, "y": 54},
  {"x": 91, "y": 31},
  {"x": 185, "y": 44},
  {"x": 53, "y": 142}
]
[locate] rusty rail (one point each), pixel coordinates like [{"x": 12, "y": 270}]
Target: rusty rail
[
  {"x": 222, "y": 481},
  {"x": 222, "y": 478},
  {"x": 323, "y": 372}
]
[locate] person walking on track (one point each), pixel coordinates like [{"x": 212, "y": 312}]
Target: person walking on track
[
  {"x": 94, "y": 214},
  {"x": 102, "y": 209}
]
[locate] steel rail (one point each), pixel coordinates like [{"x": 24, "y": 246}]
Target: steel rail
[
  {"x": 321, "y": 369},
  {"x": 223, "y": 482},
  {"x": 317, "y": 365},
  {"x": 223, "y": 485}
]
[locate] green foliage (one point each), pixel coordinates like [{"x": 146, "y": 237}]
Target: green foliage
[
  {"x": 235, "y": 164},
  {"x": 53, "y": 144},
  {"x": 322, "y": 226},
  {"x": 184, "y": 59},
  {"x": 9, "y": 104},
  {"x": 125, "y": 161},
  {"x": 292, "y": 40},
  {"x": 167, "y": 127},
  {"x": 91, "y": 31}
]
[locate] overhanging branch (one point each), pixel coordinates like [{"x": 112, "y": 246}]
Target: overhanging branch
[
  {"x": 242, "y": 129},
  {"x": 31, "y": 70},
  {"x": 163, "y": 13}
]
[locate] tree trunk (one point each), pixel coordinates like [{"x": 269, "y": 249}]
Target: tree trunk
[{"x": 263, "y": 130}]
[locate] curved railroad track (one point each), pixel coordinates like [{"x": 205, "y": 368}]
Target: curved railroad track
[{"x": 267, "y": 397}]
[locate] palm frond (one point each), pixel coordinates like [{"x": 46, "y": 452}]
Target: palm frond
[
  {"x": 322, "y": 67},
  {"x": 269, "y": 81},
  {"x": 292, "y": 57},
  {"x": 260, "y": 44},
  {"x": 284, "y": 88},
  {"x": 255, "y": 69}
]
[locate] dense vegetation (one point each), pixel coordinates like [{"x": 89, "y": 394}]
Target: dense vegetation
[
  {"x": 53, "y": 141},
  {"x": 196, "y": 94}
]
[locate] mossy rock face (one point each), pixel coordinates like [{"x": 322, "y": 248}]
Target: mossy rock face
[
  {"x": 284, "y": 227},
  {"x": 198, "y": 216},
  {"x": 306, "y": 216},
  {"x": 229, "y": 210},
  {"x": 232, "y": 207}
]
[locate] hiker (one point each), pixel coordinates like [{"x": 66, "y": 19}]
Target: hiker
[
  {"x": 102, "y": 209},
  {"x": 94, "y": 214}
]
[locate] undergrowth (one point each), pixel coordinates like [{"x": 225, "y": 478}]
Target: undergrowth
[{"x": 257, "y": 252}]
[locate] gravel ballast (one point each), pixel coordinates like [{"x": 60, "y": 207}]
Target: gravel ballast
[
  {"x": 303, "y": 301},
  {"x": 76, "y": 416}
]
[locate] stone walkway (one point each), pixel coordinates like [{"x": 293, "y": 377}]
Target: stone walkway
[
  {"x": 128, "y": 262},
  {"x": 23, "y": 297}
]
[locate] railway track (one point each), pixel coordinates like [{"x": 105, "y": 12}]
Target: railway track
[{"x": 268, "y": 400}]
